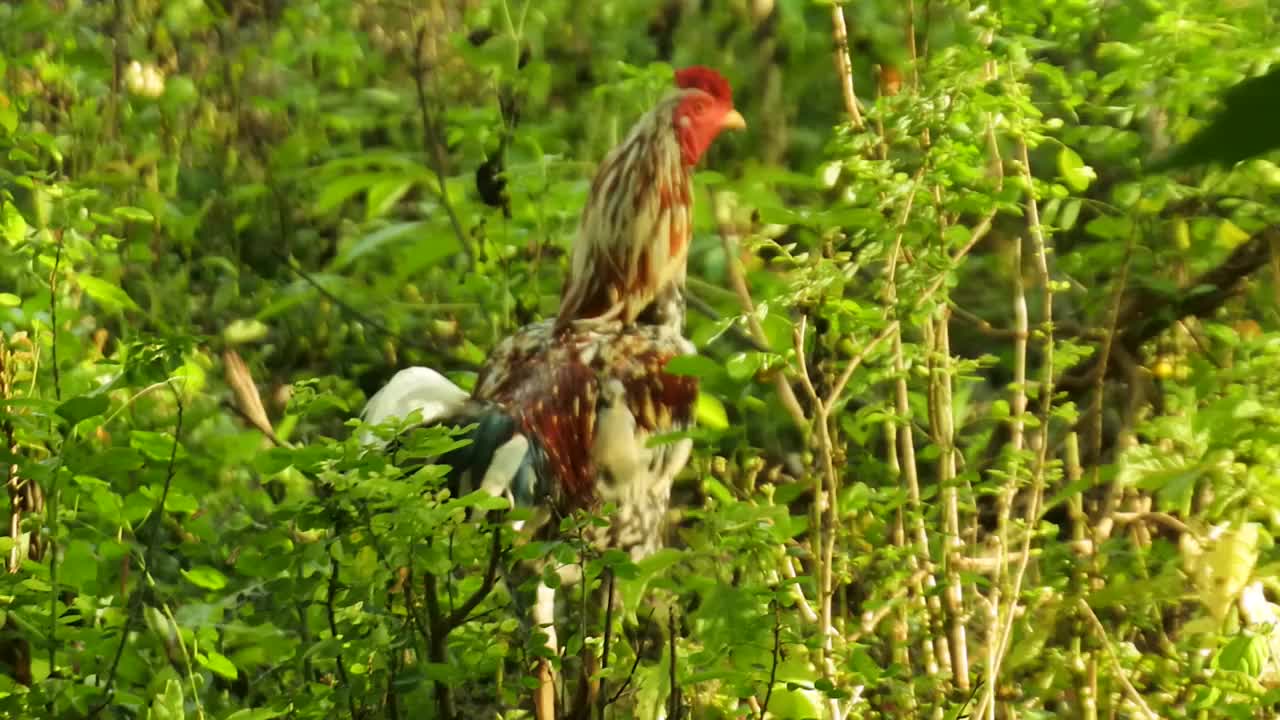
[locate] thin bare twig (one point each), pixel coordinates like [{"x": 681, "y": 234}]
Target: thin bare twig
[
  {"x": 825, "y": 492},
  {"x": 786, "y": 395},
  {"x": 432, "y": 145},
  {"x": 635, "y": 663},
  {"x": 459, "y": 615},
  {"x": 1004, "y": 632},
  {"x": 331, "y": 594},
  {"x": 1121, "y": 675},
  {"x": 844, "y": 65}
]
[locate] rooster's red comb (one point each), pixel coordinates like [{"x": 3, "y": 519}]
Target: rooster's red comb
[{"x": 705, "y": 79}]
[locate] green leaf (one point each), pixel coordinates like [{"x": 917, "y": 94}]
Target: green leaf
[
  {"x": 337, "y": 191},
  {"x": 9, "y": 300},
  {"x": 218, "y": 663},
  {"x": 1074, "y": 172},
  {"x": 169, "y": 705},
  {"x": 744, "y": 365},
  {"x": 83, "y": 407},
  {"x": 111, "y": 297},
  {"x": 134, "y": 214},
  {"x": 8, "y": 118},
  {"x": 79, "y": 567},
  {"x": 117, "y": 459},
  {"x": 1229, "y": 236},
  {"x": 956, "y": 235},
  {"x": 384, "y": 195},
  {"x": 710, "y": 412},
  {"x": 256, "y": 714},
  {"x": 1070, "y": 212},
  {"x": 180, "y": 92},
  {"x": 697, "y": 366},
  {"x": 1110, "y": 227},
  {"x": 15, "y": 226},
  {"x": 375, "y": 240},
  {"x": 155, "y": 445},
  {"x": 241, "y": 331},
  {"x": 205, "y": 577},
  {"x": 1245, "y": 653},
  {"x": 180, "y": 502}
]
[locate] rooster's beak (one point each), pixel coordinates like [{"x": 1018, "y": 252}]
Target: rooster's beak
[{"x": 733, "y": 120}]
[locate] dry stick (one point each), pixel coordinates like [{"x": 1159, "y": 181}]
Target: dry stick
[
  {"x": 900, "y": 630},
  {"x": 1129, "y": 689},
  {"x": 1032, "y": 516},
  {"x": 1017, "y": 441},
  {"x": 942, "y": 649},
  {"x": 844, "y": 66},
  {"x": 728, "y": 240},
  {"x": 825, "y": 492},
  {"x": 1082, "y": 661},
  {"x": 823, "y": 550},
  {"x": 979, "y": 232},
  {"x": 955, "y": 655},
  {"x": 872, "y": 619},
  {"x": 1165, "y": 519},
  {"x": 943, "y": 423},
  {"x": 247, "y": 401},
  {"x": 806, "y": 610},
  {"x": 904, "y": 438}
]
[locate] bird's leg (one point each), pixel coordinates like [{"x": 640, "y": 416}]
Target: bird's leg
[{"x": 544, "y": 616}]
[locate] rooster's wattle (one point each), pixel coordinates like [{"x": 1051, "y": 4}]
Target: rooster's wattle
[{"x": 564, "y": 408}]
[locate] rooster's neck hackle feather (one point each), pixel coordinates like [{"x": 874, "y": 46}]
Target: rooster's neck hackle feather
[
  {"x": 634, "y": 233},
  {"x": 633, "y": 238}
]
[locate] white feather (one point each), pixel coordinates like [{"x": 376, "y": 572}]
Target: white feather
[
  {"x": 413, "y": 389},
  {"x": 500, "y": 475},
  {"x": 616, "y": 449}
]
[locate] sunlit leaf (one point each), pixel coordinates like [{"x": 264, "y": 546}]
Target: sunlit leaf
[
  {"x": 111, "y": 297},
  {"x": 1074, "y": 172},
  {"x": 82, "y": 407},
  {"x": 205, "y": 577},
  {"x": 219, "y": 664}
]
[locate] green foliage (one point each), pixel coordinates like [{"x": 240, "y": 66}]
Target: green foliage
[{"x": 1005, "y": 432}]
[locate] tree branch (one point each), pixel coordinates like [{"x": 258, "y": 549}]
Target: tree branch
[{"x": 1146, "y": 313}]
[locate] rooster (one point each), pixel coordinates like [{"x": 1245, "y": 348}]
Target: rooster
[{"x": 564, "y": 408}]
